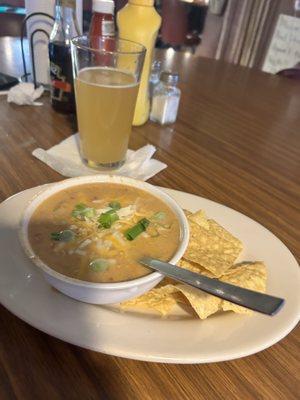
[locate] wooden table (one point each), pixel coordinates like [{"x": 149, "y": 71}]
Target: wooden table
[{"x": 236, "y": 142}]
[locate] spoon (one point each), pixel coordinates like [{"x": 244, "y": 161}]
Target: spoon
[{"x": 256, "y": 301}]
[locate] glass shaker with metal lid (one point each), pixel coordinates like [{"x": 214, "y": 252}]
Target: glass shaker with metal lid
[
  {"x": 154, "y": 76},
  {"x": 165, "y": 100}
]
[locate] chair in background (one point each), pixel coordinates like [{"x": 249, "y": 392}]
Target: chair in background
[{"x": 12, "y": 14}]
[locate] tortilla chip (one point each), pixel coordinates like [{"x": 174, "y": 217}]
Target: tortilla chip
[
  {"x": 204, "y": 304},
  {"x": 199, "y": 218},
  {"x": 248, "y": 275},
  {"x": 166, "y": 281},
  {"x": 158, "y": 299},
  {"x": 211, "y": 245},
  {"x": 194, "y": 267},
  {"x": 212, "y": 252},
  {"x": 164, "y": 297}
]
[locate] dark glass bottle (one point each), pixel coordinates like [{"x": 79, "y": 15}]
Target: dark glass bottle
[{"x": 64, "y": 29}]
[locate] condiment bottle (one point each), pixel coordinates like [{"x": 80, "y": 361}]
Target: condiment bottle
[
  {"x": 102, "y": 23},
  {"x": 138, "y": 21},
  {"x": 165, "y": 100},
  {"x": 61, "y": 76}
]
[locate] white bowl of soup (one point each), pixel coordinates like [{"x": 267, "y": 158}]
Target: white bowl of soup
[{"x": 87, "y": 235}]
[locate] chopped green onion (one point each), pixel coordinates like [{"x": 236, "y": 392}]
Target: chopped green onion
[
  {"x": 80, "y": 206},
  {"x": 157, "y": 220},
  {"x": 159, "y": 215},
  {"x": 145, "y": 222},
  {"x": 115, "y": 205},
  {"x": 55, "y": 235},
  {"x": 137, "y": 229},
  {"x": 99, "y": 265},
  {"x": 107, "y": 219},
  {"x": 82, "y": 211},
  {"x": 63, "y": 236}
]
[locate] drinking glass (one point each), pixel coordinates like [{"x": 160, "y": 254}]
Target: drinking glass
[{"x": 106, "y": 78}]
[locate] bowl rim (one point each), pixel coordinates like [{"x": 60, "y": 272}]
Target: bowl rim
[{"x": 103, "y": 178}]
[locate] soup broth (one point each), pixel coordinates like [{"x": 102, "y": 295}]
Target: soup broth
[{"x": 98, "y": 232}]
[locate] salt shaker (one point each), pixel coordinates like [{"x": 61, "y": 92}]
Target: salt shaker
[{"x": 165, "y": 100}]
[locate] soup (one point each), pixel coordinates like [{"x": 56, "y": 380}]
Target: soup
[{"x": 98, "y": 232}]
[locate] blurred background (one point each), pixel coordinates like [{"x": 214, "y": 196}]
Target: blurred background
[{"x": 237, "y": 31}]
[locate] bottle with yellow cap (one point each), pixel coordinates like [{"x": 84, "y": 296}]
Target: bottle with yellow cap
[{"x": 138, "y": 21}]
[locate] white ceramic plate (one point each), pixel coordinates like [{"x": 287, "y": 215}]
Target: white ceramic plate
[{"x": 179, "y": 339}]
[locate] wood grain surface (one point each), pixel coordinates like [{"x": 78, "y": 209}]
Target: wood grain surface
[{"x": 236, "y": 142}]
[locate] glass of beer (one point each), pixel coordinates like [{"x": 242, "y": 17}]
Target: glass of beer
[{"x": 106, "y": 77}]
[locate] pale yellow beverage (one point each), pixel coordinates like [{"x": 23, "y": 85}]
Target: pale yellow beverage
[{"x": 105, "y": 102}]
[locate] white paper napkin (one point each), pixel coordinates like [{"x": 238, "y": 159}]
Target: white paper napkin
[
  {"x": 25, "y": 94},
  {"x": 65, "y": 159}
]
